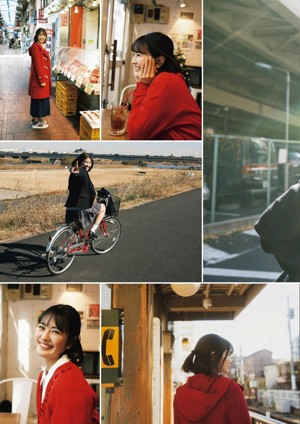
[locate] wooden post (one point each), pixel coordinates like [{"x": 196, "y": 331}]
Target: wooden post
[
  {"x": 168, "y": 387},
  {"x": 132, "y": 402}
]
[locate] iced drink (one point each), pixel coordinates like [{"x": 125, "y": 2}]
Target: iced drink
[{"x": 118, "y": 117}]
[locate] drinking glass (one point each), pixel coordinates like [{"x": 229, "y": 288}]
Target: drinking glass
[{"x": 118, "y": 117}]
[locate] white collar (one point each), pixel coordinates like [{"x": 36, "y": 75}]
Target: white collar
[{"x": 46, "y": 377}]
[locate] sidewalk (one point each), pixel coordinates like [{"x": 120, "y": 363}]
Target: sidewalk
[{"x": 15, "y": 120}]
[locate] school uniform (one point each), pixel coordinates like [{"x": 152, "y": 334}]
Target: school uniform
[{"x": 80, "y": 203}]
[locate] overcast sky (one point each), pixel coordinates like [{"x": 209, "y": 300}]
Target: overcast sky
[
  {"x": 177, "y": 148},
  {"x": 263, "y": 324}
]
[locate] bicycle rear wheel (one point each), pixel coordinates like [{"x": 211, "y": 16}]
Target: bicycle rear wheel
[
  {"x": 58, "y": 257},
  {"x": 108, "y": 235}
]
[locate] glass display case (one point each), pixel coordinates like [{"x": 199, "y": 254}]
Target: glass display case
[{"x": 80, "y": 66}]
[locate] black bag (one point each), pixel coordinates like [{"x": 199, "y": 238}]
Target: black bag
[
  {"x": 279, "y": 230},
  {"x": 111, "y": 201}
]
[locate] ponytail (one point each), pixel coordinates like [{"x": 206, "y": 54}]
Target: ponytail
[
  {"x": 75, "y": 353},
  {"x": 207, "y": 356}
]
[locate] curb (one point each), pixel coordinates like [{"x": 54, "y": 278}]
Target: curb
[{"x": 222, "y": 228}]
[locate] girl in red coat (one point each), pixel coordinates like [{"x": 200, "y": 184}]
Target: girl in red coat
[
  {"x": 39, "y": 81},
  {"x": 63, "y": 394},
  {"x": 208, "y": 397},
  {"x": 162, "y": 106}
]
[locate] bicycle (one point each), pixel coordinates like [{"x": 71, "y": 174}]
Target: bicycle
[{"x": 72, "y": 240}]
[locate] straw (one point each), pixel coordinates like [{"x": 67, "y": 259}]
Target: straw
[{"x": 127, "y": 97}]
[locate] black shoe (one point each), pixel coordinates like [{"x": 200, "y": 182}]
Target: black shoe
[{"x": 92, "y": 235}]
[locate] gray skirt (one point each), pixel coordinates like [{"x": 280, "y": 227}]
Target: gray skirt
[{"x": 84, "y": 217}]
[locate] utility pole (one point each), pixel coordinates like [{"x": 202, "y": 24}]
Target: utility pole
[{"x": 290, "y": 317}]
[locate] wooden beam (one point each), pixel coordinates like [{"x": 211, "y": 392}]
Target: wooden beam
[{"x": 132, "y": 402}]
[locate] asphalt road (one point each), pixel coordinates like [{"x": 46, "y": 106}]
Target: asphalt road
[
  {"x": 238, "y": 257},
  {"x": 160, "y": 242}
]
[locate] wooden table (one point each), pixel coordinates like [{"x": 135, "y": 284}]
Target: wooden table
[
  {"x": 105, "y": 125},
  {"x": 8, "y": 418}
]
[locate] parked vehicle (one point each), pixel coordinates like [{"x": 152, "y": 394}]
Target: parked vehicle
[
  {"x": 242, "y": 167},
  {"x": 294, "y": 167}
]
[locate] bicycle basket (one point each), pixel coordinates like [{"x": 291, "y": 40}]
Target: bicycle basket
[{"x": 114, "y": 205}]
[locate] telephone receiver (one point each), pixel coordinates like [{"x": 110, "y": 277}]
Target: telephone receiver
[{"x": 108, "y": 360}]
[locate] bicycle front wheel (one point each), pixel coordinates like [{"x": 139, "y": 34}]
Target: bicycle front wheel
[
  {"x": 58, "y": 257},
  {"x": 108, "y": 234}
]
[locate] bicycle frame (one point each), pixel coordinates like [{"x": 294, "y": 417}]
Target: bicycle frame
[
  {"x": 71, "y": 241},
  {"x": 85, "y": 243}
]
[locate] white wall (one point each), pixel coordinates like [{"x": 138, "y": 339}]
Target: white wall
[
  {"x": 177, "y": 26},
  {"x": 22, "y": 360},
  {"x": 90, "y": 23}
]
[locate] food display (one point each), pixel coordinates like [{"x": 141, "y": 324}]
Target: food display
[
  {"x": 89, "y": 125},
  {"x": 92, "y": 117},
  {"x": 80, "y": 66}
]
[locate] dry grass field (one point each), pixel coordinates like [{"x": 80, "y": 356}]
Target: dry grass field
[
  {"x": 39, "y": 211},
  {"x": 56, "y": 181}
]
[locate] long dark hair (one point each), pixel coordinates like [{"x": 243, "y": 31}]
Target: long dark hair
[
  {"x": 82, "y": 158},
  {"x": 158, "y": 44},
  {"x": 67, "y": 320},
  {"x": 207, "y": 355},
  {"x": 38, "y": 32}
]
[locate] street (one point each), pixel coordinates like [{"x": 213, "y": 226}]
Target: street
[
  {"x": 238, "y": 257},
  {"x": 160, "y": 241}
]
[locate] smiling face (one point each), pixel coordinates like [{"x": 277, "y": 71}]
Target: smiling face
[
  {"x": 50, "y": 342},
  {"x": 136, "y": 61},
  {"x": 41, "y": 37},
  {"x": 87, "y": 164}
]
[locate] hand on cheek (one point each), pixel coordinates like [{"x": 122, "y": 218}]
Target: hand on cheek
[{"x": 148, "y": 71}]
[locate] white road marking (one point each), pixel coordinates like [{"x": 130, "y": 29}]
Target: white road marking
[
  {"x": 251, "y": 233},
  {"x": 213, "y": 256},
  {"x": 241, "y": 273}
]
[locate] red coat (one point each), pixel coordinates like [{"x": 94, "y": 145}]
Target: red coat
[
  {"x": 40, "y": 72},
  {"x": 164, "y": 110},
  {"x": 210, "y": 400},
  {"x": 69, "y": 399}
]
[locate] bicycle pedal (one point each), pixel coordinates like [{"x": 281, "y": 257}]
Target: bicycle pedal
[{"x": 85, "y": 248}]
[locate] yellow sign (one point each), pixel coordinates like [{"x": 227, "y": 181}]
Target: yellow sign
[{"x": 110, "y": 347}]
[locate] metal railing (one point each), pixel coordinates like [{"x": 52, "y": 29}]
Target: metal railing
[{"x": 260, "y": 419}]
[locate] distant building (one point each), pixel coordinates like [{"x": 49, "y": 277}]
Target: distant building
[
  {"x": 256, "y": 362},
  {"x": 278, "y": 376}
]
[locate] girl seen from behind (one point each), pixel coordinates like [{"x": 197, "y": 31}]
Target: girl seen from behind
[{"x": 209, "y": 397}]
